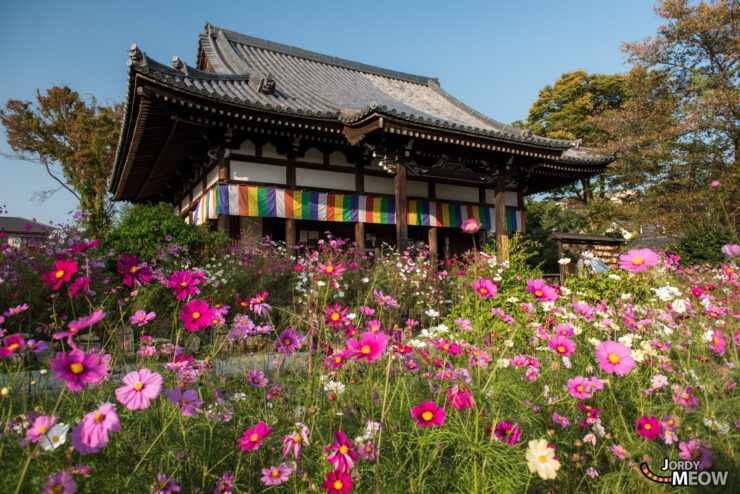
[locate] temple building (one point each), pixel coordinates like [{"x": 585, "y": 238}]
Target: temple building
[{"x": 267, "y": 139}]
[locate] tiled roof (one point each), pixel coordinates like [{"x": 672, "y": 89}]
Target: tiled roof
[
  {"x": 319, "y": 86},
  {"x": 18, "y": 224}
]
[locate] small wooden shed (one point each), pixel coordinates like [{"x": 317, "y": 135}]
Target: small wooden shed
[{"x": 604, "y": 247}]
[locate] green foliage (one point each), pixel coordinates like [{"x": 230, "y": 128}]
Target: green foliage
[
  {"x": 144, "y": 229},
  {"x": 702, "y": 243}
]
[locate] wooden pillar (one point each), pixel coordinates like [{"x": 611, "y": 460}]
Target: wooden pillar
[
  {"x": 360, "y": 236},
  {"x": 402, "y": 227},
  {"x": 563, "y": 271},
  {"x": 433, "y": 246},
  {"x": 502, "y": 234},
  {"x": 290, "y": 236}
]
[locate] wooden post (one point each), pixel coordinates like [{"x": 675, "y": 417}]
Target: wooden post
[
  {"x": 402, "y": 227},
  {"x": 499, "y": 204},
  {"x": 360, "y": 236},
  {"x": 433, "y": 246},
  {"x": 290, "y": 236},
  {"x": 562, "y": 266}
]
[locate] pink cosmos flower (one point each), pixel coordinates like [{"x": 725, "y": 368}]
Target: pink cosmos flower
[
  {"x": 648, "y": 427},
  {"x": 196, "y": 315},
  {"x": 485, "y": 288},
  {"x": 562, "y": 345},
  {"x": 335, "y": 315},
  {"x": 731, "y": 251},
  {"x": 580, "y": 388},
  {"x": 258, "y": 305},
  {"x": 428, "y": 414},
  {"x": 342, "y": 453},
  {"x": 257, "y": 378},
  {"x": 289, "y": 341},
  {"x": 507, "y": 432},
  {"x": 63, "y": 271},
  {"x": 141, "y": 387},
  {"x": 696, "y": 450},
  {"x": 59, "y": 483},
  {"x": 276, "y": 475},
  {"x": 141, "y": 317},
  {"x": 165, "y": 485},
  {"x": 564, "y": 330},
  {"x": 470, "y": 226},
  {"x": 79, "y": 285},
  {"x": 370, "y": 347},
  {"x": 185, "y": 283},
  {"x": 81, "y": 323},
  {"x": 97, "y": 424},
  {"x": 614, "y": 357},
  {"x": 252, "y": 438},
  {"x": 337, "y": 483},
  {"x": 460, "y": 397},
  {"x": 78, "y": 368},
  {"x": 637, "y": 260},
  {"x": 718, "y": 343},
  {"x": 40, "y": 427},
  {"x": 559, "y": 419},
  {"x": 224, "y": 486},
  {"x": 186, "y": 400},
  {"x": 133, "y": 273},
  {"x": 619, "y": 451},
  {"x": 541, "y": 290},
  {"x": 296, "y": 440},
  {"x": 715, "y": 183},
  {"x": 331, "y": 269},
  {"x": 10, "y": 345}
]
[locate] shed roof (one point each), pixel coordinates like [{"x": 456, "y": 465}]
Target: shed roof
[
  {"x": 580, "y": 238},
  {"x": 17, "y": 224}
]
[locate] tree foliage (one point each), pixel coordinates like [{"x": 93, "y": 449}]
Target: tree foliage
[
  {"x": 679, "y": 128},
  {"x": 74, "y": 140}
]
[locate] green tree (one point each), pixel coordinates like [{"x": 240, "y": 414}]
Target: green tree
[
  {"x": 565, "y": 111},
  {"x": 74, "y": 140},
  {"x": 679, "y": 129}
]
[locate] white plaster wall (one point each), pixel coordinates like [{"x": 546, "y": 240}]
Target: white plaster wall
[
  {"x": 312, "y": 155},
  {"x": 258, "y": 172},
  {"x": 337, "y": 158},
  {"x": 270, "y": 151},
  {"x": 197, "y": 191},
  {"x": 456, "y": 193},
  {"x": 247, "y": 147},
  {"x": 379, "y": 185},
  {"x": 415, "y": 188},
  {"x": 212, "y": 177},
  {"x": 511, "y": 198},
  {"x": 324, "y": 179}
]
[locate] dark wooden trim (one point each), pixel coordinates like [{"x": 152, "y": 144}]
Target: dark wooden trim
[{"x": 402, "y": 227}]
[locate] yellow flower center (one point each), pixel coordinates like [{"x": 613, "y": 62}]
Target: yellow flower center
[
  {"x": 561, "y": 349},
  {"x": 427, "y": 416},
  {"x": 330, "y": 269},
  {"x": 484, "y": 291},
  {"x": 138, "y": 386},
  {"x": 76, "y": 368},
  {"x": 648, "y": 427},
  {"x": 134, "y": 269},
  {"x": 42, "y": 429},
  {"x": 196, "y": 315},
  {"x": 366, "y": 349},
  {"x": 335, "y": 316},
  {"x": 13, "y": 346},
  {"x": 184, "y": 284},
  {"x": 254, "y": 437},
  {"x": 446, "y": 346},
  {"x": 637, "y": 261},
  {"x": 538, "y": 293},
  {"x": 338, "y": 360},
  {"x": 59, "y": 273},
  {"x": 99, "y": 417},
  {"x": 670, "y": 422},
  {"x": 614, "y": 358},
  {"x": 286, "y": 341},
  {"x": 297, "y": 438},
  {"x": 275, "y": 473},
  {"x": 716, "y": 340},
  {"x": 542, "y": 458},
  {"x": 344, "y": 450},
  {"x": 55, "y": 439},
  {"x": 579, "y": 388},
  {"x": 338, "y": 485},
  {"x": 183, "y": 400},
  {"x": 58, "y": 488}
]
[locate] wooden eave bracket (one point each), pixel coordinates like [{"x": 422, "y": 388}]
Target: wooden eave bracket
[{"x": 356, "y": 134}]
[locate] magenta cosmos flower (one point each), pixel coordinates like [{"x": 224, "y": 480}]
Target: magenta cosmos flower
[
  {"x": 276, "y": 475},
  {"x": 370, "y": 347},
  {"x": 562, "y": 345},
  {"x": 80, "y": 324},
  {"x": 296, "y": 440},
  {"x": 289, "y": 341},
  {"x": 78, "y": 368},
  {"x": 507, "y": 432},
  {"x": 185, "y": 283},
  {"x": 10, "y": 345},
  {"x": 258, "y": 304},
  {"x": 428, "y": 414},
  {"x": 341, "y": 454},
  {"x": 133, "y": 273},
  {"x": 580, "y": 388},
  {"x": 648, "y": 427},
  {"x": 470, "y": 226},
  {"x": 252, "y": 438},
  {"x": 335, "y": 315},
  {"x": 637, "y": 260},
  {"x": 63, "y": 271},
  {"x": 224, "y": 486},
  {"x": 40, "y": 427},
  {"x": 257, "y": 378},
  {"x": 141, "y": 317},
  {"x": 98, "y": 424},
  {"x": 697, "y": 451},
  {"x": 337, "y": 483},
  {"x": 614, "y": 357},
  {"x": 485, "y": 288},
  {"x": 541, "y": 290},
  {"x": 165, "y": 485},
  {"x": 186, "y": 400},
  {"x": 718, "y": 343},
  {"x": 196, "y": 315},
  {"x": 331, "y": 269},
  {"x": 140, "y": 388}
]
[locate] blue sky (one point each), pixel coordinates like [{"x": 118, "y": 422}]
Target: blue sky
[{"x": 493, "y": 55}]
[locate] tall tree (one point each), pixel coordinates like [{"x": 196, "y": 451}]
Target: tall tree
[
  {"x": 680, "y": 128},
  {"x": 74, "y": 140},
  {"x": 564, "y": 111}
]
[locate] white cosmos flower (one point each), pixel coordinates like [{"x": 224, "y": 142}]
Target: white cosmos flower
[
  {"x": 564, "y": 260},
  {"x": 56, "y": 436},
  {"x": 541, "y": 459},
  {"x": 431, "y": 313},
  {"x": 334, "y": 386}
]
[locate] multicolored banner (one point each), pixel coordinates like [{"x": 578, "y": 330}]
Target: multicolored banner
[{"x": 271, "y": 202}]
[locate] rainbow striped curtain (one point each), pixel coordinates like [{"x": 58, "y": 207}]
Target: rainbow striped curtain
[{"x": 271, "y": 202}]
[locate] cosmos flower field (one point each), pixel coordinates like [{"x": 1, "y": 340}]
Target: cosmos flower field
[{"x": 337, "y": 372}]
